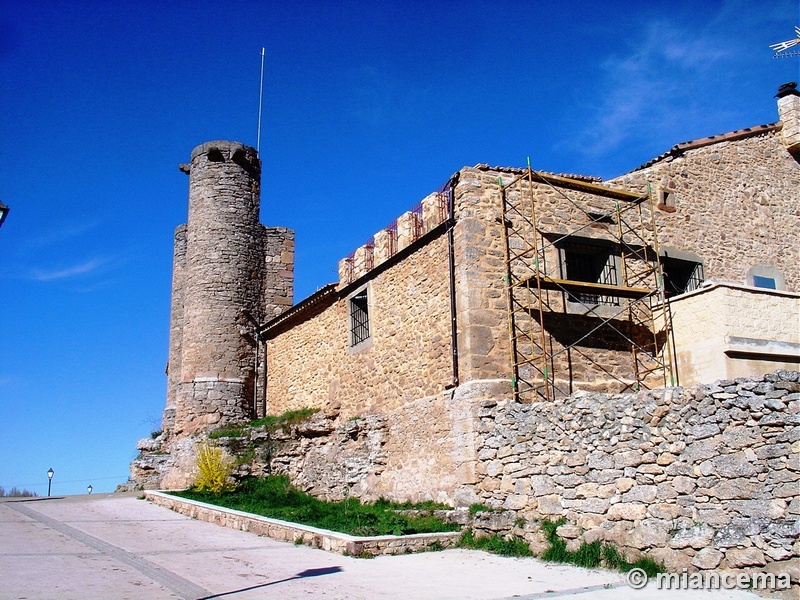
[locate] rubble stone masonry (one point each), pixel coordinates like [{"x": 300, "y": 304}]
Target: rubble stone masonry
[
  {"x": 706, "y": 477},
  {"x": 703, "y": 478},
  {"x": 229, "y": 273},
  {"x": 407, "y": 356},
  {"x": 735, "y": 203}
]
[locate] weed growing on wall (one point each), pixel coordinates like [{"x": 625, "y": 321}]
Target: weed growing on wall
[
  {"x": 592, "y": 555},
  {"x": 214, "y": 469},
  {"x": 269, "y": 423},
  {"x": 496, "y": 544}
]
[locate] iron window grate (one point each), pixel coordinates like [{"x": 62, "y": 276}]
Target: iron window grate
[{"x": 359, "y": 318}]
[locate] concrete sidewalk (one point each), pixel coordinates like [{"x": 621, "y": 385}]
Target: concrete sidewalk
[{"x": 118, "y": 547}]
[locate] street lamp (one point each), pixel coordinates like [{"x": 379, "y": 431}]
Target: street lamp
[
  {"x": 50, "y": 474},
  {"x": 89, "y": 489},
  {"x": 3, "y": 213}
]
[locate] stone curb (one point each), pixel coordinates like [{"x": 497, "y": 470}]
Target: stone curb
[{"x": 285, "y": 531}]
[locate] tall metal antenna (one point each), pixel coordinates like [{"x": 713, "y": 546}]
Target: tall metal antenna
[{"x": 260, "y": 96}]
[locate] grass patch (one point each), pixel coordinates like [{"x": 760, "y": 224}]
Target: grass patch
[
  {"x": 228, "y": 431},
  {"x": 592, "y": 555},
  {"x": 270, "y": 423},
  {"x": 275, "y": 497},
  {"x": 496, "y": 544},
  {"x": 426, "y": 505},
  {"x": 613, "y": 559},
  {"x": 247, "y": 456},
  {"x": 286, "y": 420},
  {"x": 476, "y": 508}
]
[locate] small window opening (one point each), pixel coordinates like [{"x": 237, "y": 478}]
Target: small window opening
[
  {"x": 359, "y": 318},
  {"x": 590, "y": 263},
  {"x": 764, "y": 282},
  {"x": 681, "y": 276},
  {"x": 766, "y": 277}
]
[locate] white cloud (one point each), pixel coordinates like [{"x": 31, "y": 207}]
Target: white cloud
[
  {"x": 65, "y": 232},
  {"x": 83, "y": 268},
  {"x": 652, "y": 87}
]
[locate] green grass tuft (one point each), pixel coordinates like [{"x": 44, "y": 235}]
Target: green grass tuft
[
  {"x": 592, "y": 555},
  {"x": 270, "y": 423},
  {"x": 496, "y": 544}
]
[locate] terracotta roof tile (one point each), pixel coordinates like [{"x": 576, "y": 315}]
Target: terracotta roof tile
[{"x": 739, "y": 134}]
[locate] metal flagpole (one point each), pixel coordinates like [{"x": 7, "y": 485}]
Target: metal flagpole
[{"x": 260, "y": 96}]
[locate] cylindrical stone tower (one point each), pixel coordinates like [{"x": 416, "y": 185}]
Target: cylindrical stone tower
[
  {"x": 175, "y": 326},
  {"x": 222, "y": 278}
]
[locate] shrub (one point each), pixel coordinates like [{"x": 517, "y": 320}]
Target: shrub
[
  {"x": 214, "y": 470},
  {"x": 17, "y": 493}
]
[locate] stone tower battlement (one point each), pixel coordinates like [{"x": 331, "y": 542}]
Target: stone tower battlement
[{"x": 229, "y": 271}]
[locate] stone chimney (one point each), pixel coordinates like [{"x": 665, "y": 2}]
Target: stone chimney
[{"x": 789, "y": 112}]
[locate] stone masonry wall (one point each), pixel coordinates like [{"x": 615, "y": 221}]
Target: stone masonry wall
[
  {"x": 735, "y": 203},
  {"x": 702, "y": 478},
  {"x": 484, "y": 346},
  {"x": 278, "y": 293},
  {"x": 407, "y": 356},
  {"x": 175, "y": 326}
]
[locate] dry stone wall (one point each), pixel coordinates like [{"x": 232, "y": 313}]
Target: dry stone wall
[
  {"x": 701, "y": 478},
  {"x": 698, "y": 478}
]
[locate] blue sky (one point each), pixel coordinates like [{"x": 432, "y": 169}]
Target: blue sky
[{"x": 368, "y": 107}]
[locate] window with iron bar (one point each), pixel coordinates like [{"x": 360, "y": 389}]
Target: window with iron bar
[
  {"x": 680, "y": 275},
  {"x": 589, "y": 263},
  {"x": 359, "y": 317}
]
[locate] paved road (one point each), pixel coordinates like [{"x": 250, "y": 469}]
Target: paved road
[{"x": 114, "y": 547}]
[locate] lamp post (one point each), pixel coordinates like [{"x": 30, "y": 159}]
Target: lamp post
[
  {"x": 50, "y": 474},
  {"x": 89, "y": 489},
  {"x": 3, "y": 213}
]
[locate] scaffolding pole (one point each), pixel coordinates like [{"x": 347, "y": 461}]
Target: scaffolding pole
[{"x": 541, "y": 297}]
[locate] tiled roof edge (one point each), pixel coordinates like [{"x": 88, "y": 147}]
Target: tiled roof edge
[
  {"x": 520, "y": 171},
  {"x": 738, "y": 134}
]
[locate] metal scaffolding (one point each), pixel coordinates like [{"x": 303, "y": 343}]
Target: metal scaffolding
[{"x": 582, "y": 285}]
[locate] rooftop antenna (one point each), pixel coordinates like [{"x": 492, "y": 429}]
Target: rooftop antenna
[
  {"x": 260, "y": 96},
  {"x": 780, "y": 49}
]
